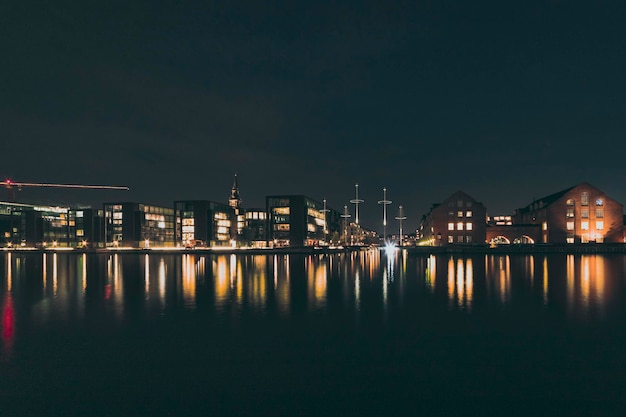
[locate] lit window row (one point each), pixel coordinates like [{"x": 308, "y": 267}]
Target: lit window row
[{"x": 459, "y": 226}]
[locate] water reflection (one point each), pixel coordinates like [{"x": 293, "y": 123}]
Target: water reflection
[{"x": 63, "y": 287}]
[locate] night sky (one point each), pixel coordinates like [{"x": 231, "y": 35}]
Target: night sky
[{"x": 506, "y": 101}]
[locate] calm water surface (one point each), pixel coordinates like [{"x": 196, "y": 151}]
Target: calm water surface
[{"x": 351, "y": 334}]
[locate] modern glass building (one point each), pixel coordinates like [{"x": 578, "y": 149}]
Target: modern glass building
[
  {"x": 203, "y": 223},
  {"x": 297, "y": 220},
  {"x": 34, "y": 225},
  {"x": 138, "y": 225}
]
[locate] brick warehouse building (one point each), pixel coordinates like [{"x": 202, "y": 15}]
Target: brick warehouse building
[
  {"x": 459, "y": 219},
  {"x": 579, "y": 214}
]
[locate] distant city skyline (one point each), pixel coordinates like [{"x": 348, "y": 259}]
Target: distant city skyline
[{"x": 505, "y": 102}]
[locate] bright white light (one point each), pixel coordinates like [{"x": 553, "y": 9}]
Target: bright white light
[{"x": 390, "y": 248}]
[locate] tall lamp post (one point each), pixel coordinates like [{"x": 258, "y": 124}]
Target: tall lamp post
[
  {"x": 325, "y": 211},
  {"x": 385, "y": 203},
  {"x": 400, "y": 217},
  {"x": 345, "y": 217},
  {"x": 356, "y": 201}
]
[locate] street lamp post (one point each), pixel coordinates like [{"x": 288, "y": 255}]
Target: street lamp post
[
  {"x": 385, "y": 203},
  {"x": 325, "y": 211},
  {"x": 356, "y": 201},
  {"x": 400, "y": 217},
  {"x": 345, "y": 217}
]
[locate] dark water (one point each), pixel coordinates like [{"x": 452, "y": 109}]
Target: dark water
[{"x": 356, "y": 334}]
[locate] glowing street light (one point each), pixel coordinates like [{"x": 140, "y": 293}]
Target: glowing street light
[
  {"x": 400, "y": 217},
  {"x": 385, "y": 203}
]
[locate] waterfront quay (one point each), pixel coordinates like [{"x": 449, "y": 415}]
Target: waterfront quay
[{"x": 310, "y": 250}]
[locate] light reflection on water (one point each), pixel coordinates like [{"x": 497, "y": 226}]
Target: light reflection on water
[{"x": 60, "y": 286}]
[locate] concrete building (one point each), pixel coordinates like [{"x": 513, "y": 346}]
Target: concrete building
[
  {"x": 579, "y": 214},
  {"x": 138, "y": 225},
  {"x": 459, "y": 219}
]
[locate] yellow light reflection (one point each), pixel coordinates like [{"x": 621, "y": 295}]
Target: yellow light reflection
[
  {"x": 84, "y": 270},
  {"x": 146, "y": 275},
  {"x": 221, "y": 284},
  {"x": 162, "y": 280},
  {"x": 189, "y": 280}
]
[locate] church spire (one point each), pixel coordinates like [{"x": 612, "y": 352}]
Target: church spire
[{"x": 234, "y": 200}]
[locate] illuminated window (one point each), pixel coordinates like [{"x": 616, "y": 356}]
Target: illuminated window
[
  {"x": 281, "y": 210},
  {"x": 599, "y": 213},
  {"x": 584, "y": 213},
  {"x": 468, "y": 239},
  {"x": 450, "y": 213},
  {"x": 450, "y": 226},
  {"x": 545, "y": 226},
  {"x": 450, "y": 239},
  {"x": 584, "y": 199},
  {"x": 570, "y": 238},
  {"x": 599, "y": 225},
  {"x": 570, "y": 202},
  {"x": 79, "y": 214},
  {"x": 468, "y": 226},
  {"x": 599, "y": 202},
  {"x": 570, "y": 225},
  {"x": 80, "y": 233},
  {"x": 468, "y": 213},
  {"x": 459, "y": 226},
  {"x": 584, "y": 225},
  {"x": 460, "y": 239},
  {"x": 459, "y": 213},
  {"x": 570, "y": 213}
]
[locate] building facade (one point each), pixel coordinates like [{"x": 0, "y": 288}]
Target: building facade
[
  {"x": 459, "y": 219},
  {"x": 579, "y": 214},
  {"x": 297, "y": 220},
  {"x": 138, "y": 225},
  {"x": 203, "y": 223}
]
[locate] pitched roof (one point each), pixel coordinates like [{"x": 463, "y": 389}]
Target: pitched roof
[{"x": 547, "y": 200}]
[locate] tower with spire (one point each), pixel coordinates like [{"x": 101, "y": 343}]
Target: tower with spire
[{"x": 235, "y": 201}]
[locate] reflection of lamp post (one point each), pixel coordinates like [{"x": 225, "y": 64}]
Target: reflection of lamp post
[
  {"x": 400, "y": 217},
  {"x": 345, "y": 217},
  {"x": 385, "y": 203}
]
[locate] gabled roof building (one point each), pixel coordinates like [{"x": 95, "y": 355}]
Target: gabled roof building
[
  {"x": 459, "y": 219},
  {"x": 578, "y": 214}
]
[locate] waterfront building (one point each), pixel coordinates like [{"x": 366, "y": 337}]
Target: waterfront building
[
  {"x": 137, "y": 225},
  {"x": 86, "y": 228},
  {"x": 254, "y": 231},
  {"x": 34, "y": 225},
  {"x": 297, "y": 220},
  {"x": 501, "y": 231},
  {"x": 579, "y": 214},
  {"x": 459, "y": 219},
  {"x": 203, "y": 223}
]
